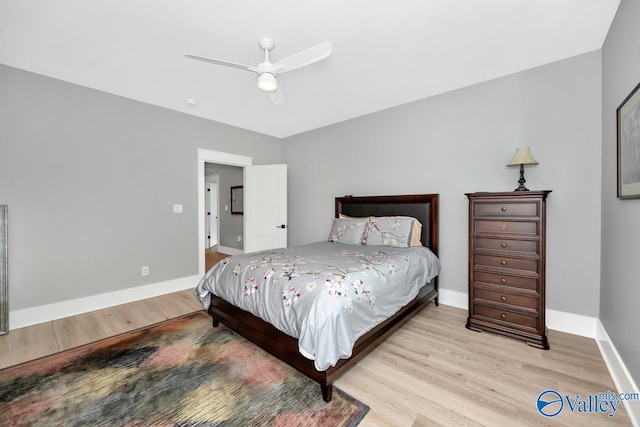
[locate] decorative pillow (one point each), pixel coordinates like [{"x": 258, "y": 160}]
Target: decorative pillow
[
  {"x": 416, "y": 228},
  {"x": 349, "y": 231},
  {"x": 389, "y": 232}
]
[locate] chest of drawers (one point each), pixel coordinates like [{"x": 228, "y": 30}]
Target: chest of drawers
[{"x": 507, "y": 264}]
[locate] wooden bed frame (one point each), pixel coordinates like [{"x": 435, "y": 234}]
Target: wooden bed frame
[{"x": 424, "y": 207}]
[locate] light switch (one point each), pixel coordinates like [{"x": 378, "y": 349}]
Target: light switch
[
  {"x": 226, "y": 207},
  {"x": 177, "y": 208}
]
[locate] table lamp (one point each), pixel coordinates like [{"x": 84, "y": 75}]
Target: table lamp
[{"x": 522, "y": 157}]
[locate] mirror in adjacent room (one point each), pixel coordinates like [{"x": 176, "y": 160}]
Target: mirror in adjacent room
[{"x": 237, "y": 200}]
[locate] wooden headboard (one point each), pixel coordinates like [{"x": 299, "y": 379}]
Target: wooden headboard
[{"x": 423, "y": 207}]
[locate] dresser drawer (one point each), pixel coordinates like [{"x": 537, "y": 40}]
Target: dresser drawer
[
  {"x": 506, "y": 262},
  {"x": 506, "y": 316},
  {"x": 506, "y": 280},
  {"x": 506, "y": 298},
  {"x": 506, "y": 227},
  {"x": 529, "y": 246},
  {"x": 506, "y": 209}
]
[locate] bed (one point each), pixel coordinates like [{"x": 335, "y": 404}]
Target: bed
[{"x": 310, "y": 334}]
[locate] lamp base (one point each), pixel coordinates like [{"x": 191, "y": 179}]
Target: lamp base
[{"x": 521, "y": 181}]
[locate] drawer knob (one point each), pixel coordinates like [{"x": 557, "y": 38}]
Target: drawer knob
[
  {"x": 503, "y": 209},
  {"x": 503, "y": 245},
  {"x": 503, "y": 262},
  {"x": 503, "y": 280},
  {"x": 503, "y": 316},
  {"x": 503, "y": 298}
]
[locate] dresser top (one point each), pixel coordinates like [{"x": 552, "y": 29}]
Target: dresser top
[{"x": 532, "y": 193}]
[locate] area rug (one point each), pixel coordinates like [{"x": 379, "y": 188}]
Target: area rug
[{"x": 182, "y": 372}]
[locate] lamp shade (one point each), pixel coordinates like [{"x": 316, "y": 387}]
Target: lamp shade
[
  {"x": 267, "y": 82},
  {"x": 522, "y": 157}
]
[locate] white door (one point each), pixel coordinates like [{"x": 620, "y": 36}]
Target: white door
[
  {"x": 265, "y": 207},
  {"x": 212, "y": 214}
]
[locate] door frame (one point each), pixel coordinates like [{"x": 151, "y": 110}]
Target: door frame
[
  {"x": 211, "y": 156},
  {"x": 4, "y": 271},
  {"x": 208, "y": 181}
]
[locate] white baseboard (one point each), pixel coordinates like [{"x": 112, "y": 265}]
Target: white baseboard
[
  {"x": 453, "y": 298},
  {"x": 621, "y": 377},
  {"x": 48, "y": 312},
  {"x": 557, "y": 320},
  {"x": 571, "y": 323},
  {"x": 230, "y": 251}
]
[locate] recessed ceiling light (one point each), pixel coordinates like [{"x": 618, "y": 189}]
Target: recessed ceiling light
[{"x": 192, "y": 102}]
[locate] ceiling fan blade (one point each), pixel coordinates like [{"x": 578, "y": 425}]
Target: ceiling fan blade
[
  {"x": 221, "y": 62},
  {"x": 304, "y": 58},
  {"x": 276, "y": 97}
]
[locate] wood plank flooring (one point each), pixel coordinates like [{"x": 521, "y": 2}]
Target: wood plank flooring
[
  {"x": 432, "y": 372},
  {"x": 212, "y": 256},
  {"x": 21, "y": 345}
]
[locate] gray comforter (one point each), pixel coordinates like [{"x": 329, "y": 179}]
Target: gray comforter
[{"x": 324, "y": 294}]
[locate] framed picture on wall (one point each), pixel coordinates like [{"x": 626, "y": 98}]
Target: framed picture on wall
[
  {"x": 628, "y": 123},
  {"x": 237, "y": 200}
]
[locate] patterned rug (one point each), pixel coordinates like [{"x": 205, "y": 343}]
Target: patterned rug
[{"x": 182, "y": 372}]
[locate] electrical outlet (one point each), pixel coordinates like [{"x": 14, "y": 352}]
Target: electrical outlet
[
  {"x": 177, "y": 209},
  {"x": 239, "y": 239},
  {"x": 145, "y": 270}
]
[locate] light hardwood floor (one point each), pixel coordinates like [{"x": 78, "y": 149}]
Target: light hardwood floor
[
  {"x": 432, "y": 372},
  {"x": 212, "y": 256}
]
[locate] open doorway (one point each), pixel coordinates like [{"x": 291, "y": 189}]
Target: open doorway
[
  {"x": 216, "y": 163},
  {"x": 224, "y": 226},
  {"x": 262, "y": 219}
]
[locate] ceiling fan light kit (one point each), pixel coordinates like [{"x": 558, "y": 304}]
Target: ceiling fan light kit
[
  {"x": 268, "y": 71},
  {"x": 267, "y": 82}
]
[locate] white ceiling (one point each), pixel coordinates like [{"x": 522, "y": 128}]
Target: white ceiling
[{"x": 385, "y": 53}]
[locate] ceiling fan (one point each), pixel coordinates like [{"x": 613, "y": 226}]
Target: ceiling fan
[{"x": 268, "y": 71}]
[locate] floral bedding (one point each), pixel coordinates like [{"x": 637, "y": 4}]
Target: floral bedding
[{"x": 325, "y": 294}]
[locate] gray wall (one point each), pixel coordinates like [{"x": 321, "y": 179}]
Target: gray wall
[
  {"x": 460, "y": 142},
  {"x": 620, "y": 288},
  {"x": 231, "y": 226},
  {"x": 90, "y": 180}
]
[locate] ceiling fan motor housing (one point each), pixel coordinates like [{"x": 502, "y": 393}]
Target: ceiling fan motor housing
[{"x": 266, "y": 43}]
